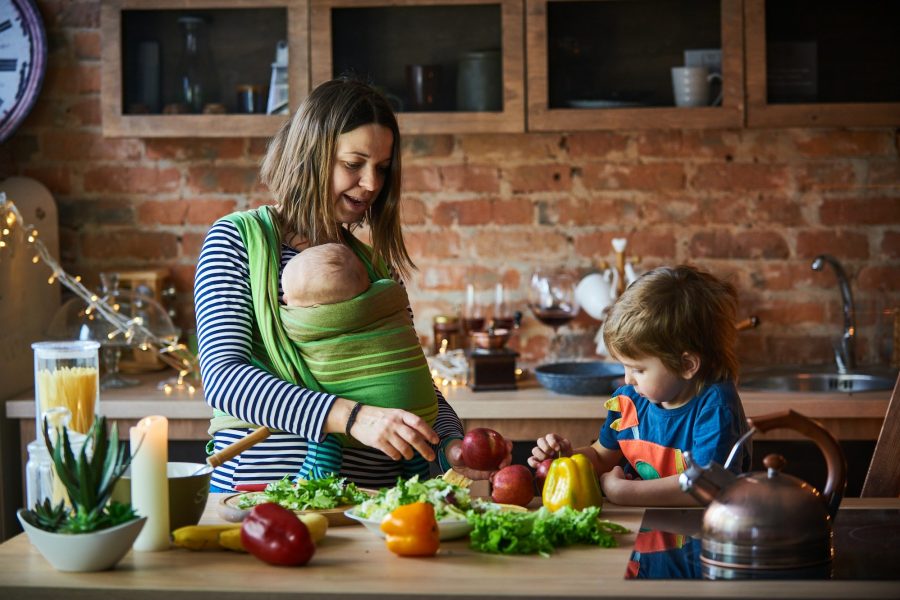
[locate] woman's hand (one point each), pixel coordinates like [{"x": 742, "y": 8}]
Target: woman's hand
[
  {"x": 453, "y": 452},
  {"x": 395, "y": 432},
  {"x": 549, "y": 446}
]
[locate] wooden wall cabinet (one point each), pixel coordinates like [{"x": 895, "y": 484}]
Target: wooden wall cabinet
[
  {"x": 242, "y": 38},
  {"x": 581, "y": 64},
  {"x": 598, "y": 64},
  {"x": 378, "y": 39},
  {"x": 812, "y": 63}
]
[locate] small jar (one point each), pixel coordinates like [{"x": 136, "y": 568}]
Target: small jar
[
  {"x": 447, "y": 327},
  {"x": 41, "y": 481}
]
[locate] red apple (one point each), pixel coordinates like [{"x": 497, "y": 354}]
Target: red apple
[
  {"x": 540, "y": 473},
  {"x": 513, "y": 485},
  {"x": 483, "y": 449}
]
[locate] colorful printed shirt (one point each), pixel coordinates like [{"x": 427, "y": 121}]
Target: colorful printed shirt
[{"x": 654, "y": 439}]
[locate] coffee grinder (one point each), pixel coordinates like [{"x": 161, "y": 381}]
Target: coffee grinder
[{"x": 492, "y": 366}]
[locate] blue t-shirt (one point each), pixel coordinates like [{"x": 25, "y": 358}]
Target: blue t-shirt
[{"x": 654, "y": 439}]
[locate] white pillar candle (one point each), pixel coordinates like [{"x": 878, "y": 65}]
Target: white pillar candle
[
  {"x": 149, "y": 481},
  {"x": 470, "y": 295},
  {"x": 498, "y": 295}
]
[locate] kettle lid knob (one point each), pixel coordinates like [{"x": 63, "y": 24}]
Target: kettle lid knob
[{"x": 774, "y": 463}]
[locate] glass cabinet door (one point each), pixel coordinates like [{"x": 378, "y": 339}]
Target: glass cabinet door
[
  {"x": 202, "y": 68},
  {"x": 603, "y": 64},
  {"x": 823, "y": 63},
  {"x": 447, "y": 66}
]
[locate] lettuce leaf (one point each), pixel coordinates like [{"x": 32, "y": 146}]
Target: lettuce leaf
[
  {"x": 315, "y": 494},
  {"x": 541, "y": 531}
]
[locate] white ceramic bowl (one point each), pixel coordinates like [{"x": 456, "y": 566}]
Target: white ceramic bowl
[
  {"x": 447, "y": 529},
  {"x": 95, "y": 551}
]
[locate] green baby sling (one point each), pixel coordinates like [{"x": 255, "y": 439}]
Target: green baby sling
[{"x": 363, "y": 349}]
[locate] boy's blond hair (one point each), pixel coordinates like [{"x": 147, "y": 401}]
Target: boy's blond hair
[{"x": 672, "y": 310}]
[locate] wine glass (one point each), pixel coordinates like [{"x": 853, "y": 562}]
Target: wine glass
[
  {"x": 552, "y": 300},
  {"x": 472, "y": 312}
]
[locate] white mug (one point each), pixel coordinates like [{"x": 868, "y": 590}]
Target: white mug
[
  {"x": 691, "y": 86},
  {"x": 595, "y": 293}
]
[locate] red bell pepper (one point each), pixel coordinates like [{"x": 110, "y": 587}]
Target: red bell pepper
[{"x": 275, "y": 535}]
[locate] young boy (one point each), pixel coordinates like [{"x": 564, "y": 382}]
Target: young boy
[
  {"x": 357, "y": 339},
  {"x": 674, "y": 331}
]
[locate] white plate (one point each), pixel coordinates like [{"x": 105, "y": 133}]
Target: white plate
[
  {"x": 602, "y": 103},
  {"x": 448, "y": 529}
]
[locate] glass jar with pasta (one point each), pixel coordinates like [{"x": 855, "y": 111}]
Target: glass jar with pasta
[{"x": 66, "y": 375}]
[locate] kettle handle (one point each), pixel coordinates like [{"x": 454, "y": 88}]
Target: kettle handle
[{"x": 834, "y": 456}]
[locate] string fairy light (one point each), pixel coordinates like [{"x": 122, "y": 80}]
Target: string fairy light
[{"x": 174, "y": 354}]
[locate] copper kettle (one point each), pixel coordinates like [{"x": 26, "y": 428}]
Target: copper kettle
[{"x": 768, "y": 520}]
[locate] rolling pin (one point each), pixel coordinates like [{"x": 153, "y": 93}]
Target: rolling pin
[{"x": 232, "y": 450}]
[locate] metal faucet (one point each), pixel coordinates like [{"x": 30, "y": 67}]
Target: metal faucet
[{"x": 845, "y": 352}]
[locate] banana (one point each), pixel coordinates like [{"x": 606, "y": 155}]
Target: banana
[
  {"x": 201, "y": 537},
  {"x": 230, "y": 539},
  {"x": 317, "y": 525}
]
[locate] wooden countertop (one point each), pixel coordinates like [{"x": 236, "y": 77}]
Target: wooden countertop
[
  {"x": 522, "y": 414},
  {"x": 352, "y": 563}
]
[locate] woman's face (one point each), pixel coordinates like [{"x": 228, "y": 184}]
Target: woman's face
[{"x": 362, "y": 162}]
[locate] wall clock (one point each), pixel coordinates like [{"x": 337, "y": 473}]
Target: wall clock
[{"x": 23, "y": 60}]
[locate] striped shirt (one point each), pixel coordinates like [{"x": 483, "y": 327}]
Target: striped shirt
[{"x": 233, "y": 385}]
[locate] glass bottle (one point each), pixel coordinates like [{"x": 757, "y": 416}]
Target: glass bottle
[{"x": 197, "y": 82}]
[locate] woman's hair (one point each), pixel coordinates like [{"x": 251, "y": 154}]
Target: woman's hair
[
  {"x": 672, "y": 310},
  {"x": 299, "y": 163}
]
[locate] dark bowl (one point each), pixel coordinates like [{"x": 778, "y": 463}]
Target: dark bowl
[{"x": 581, "y": 378}]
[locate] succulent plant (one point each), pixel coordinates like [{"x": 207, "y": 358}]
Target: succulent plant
[{"x": 88, "y": 479}]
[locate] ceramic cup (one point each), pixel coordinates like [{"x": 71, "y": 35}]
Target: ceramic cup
[
  {"x": 423, "y": 84},
  {"x": 691, "y": 86}
]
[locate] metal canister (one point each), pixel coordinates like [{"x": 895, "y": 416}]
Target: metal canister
[
  {"x": 447, "y": 329},
  {"x": 479, "y": 85}
]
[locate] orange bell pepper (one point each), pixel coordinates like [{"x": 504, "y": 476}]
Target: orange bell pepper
[
  {"x": 571, "y": 482},
  {"x": 411, "y": 530}
]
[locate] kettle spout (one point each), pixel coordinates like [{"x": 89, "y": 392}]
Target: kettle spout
[{"x": 704, "y": 483}]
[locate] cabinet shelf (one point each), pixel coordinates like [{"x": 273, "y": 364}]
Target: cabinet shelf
[
  {"x": 242, "y": 40},
  {"x": 822, "y": 64},
  {"x": 377, "y": 39},
  {"x": 598, "y": 64}
]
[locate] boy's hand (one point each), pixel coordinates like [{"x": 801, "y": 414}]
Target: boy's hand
[
  {"x": 611, "y": 483},
  {"x": 549, "y": 446}
]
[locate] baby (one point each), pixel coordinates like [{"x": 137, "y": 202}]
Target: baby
[
  {"x": 324, "y": 274},
  {"x": 358, "y": 341}
]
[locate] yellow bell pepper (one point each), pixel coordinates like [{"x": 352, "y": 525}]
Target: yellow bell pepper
[
  {"x": 571, "y": 482},
  {"x": 411, "y": 530}
]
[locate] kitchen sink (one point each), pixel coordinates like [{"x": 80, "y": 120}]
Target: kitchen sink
[{"x": 821, "y": 379}]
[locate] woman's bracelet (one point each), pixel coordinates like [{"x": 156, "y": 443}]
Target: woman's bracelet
[{"x": 352, "y": 418}]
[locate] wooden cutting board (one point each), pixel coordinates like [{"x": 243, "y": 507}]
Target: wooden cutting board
[{"x": 27, "y": 301}]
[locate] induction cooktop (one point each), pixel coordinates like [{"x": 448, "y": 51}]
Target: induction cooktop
[{"x": 866, "y": 547}]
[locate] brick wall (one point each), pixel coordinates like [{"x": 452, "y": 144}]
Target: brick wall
[{"x": 752, "y": 205}]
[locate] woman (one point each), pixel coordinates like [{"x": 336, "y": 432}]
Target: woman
[{"x": 334, "y": 166}]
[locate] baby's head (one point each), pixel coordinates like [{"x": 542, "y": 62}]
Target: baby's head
[
  {"x": 323, "y": 274},
  {"x": 672, "y": 310}
]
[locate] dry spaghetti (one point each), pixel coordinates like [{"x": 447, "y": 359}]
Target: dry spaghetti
[{"x": 74, "y": 388}]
